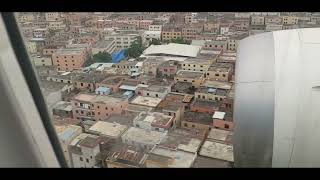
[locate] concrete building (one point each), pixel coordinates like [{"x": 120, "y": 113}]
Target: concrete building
[
  {"x": 149, "y": 35},
  {"x": 63, "y": 109},
  {"x": 141, "y": 138},
  {"x": 257, "y": 20},
  {"x": 107, "y": 129},
  {"x": 197, "y": 120},
  {"x": 172, "y": 49},
  {"x": 196, "y": 78},
  {"x": 223, "y": 120},
  {"x": 216, "y": 45},
  {"x": 273, "y": 20},
  {"x": 153, "y": 91},
  {"x": 219, "y": 72},
  {"x": 155, "y": 27},
  {"x": 168, "y": 69},
  {"x": 88, "y": 81},
  {"x": 108, "y": 46},
  {"x": 52, "y": 16},
  {"x": 41, "y": 61},
  {"x": 82, "y": 107},
  {"x": 122, "y": 40},
  {"x": 56, "y": 25},
  {"x": 84, "y": 149},
  {"x": 168, "y": 158},
  {"x": 144, "y": 24},
  {"x": 169, "y": 33},
  {"x": 146, "y": 101},
  {"x": 204, "y": 106},
  {"x": 31, "y": 47},
  {"x": 289, "y": 20},
  {"x": 154, "y": 121},
  {"x": 112, "y": 82},
  {"x": 69, "y": 59},
  {"x": 66, "y": 134},
  {"x": 197, "y": 64},
  {"x": 104, "y": 106},
  {"x": 217, "y": 150}
]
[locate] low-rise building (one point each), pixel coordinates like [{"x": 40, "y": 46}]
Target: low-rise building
[
  {"x": 125, "y": 157},
  {"x": 210, "y": 94},
  {"x": 197, "y": 120},
  {"x": 153, "y": 91},
  {"x": 169, "y": 33},
  {"x": 82, "y": 107},
  {"x": 204, "y": 106},
  {"x": 146, "y": 101},
  {"x": 41, "y": 61},
  {"x": 112, "y": 82},
  {"x": 273, "y": 20},
  {"x": 197, "y": 64},
  {"x": 257, "y": 20},
  {"x": 84, "y": 149},
  {"x": 216, "y": 45},
  {"x": 66, "y": 134},
  {"x": 273, "y": 27},
  {"x": 63, "y": 109},
  {"x": 144, "y": 24},
  {"x": 289, "y": 20},
  {"x": 107, "y": 129},
  {"x": 168, "y": 69},
  {"x": 141, "y": 138},
  {"x": 108, "y": 46},
  {"x": 88, "y": 81},
  {"x": 69, "y": 59},
  {"x": 219, "y": 72},
  {"x": 223, "y": 120},
  {"x": 196, "y": 78},
  {"x": 168, "y": 158},
  {"x": 155, "y": 27},
  {"x": 154, "y": 121},
  {"x": 217, "y": 150}
]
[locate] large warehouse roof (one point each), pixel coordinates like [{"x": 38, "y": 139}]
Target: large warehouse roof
[{"x": 173, "y": 49}]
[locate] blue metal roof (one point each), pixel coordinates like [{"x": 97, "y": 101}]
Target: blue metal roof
[
  {"x": 66, "y": 134},
  {"x": 118, "y": 56}
]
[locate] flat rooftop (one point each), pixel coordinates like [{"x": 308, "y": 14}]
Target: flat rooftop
[
  {"x": 146, "y": 101},
  {"x": 220, "y": 67},
  {"x": 155, "y": 88},
  {"x": 173, "y": 158},
  {"x": 84, "y": 97},
  {"x": 107, "y": 99},
  {"x": 178, "y": 141},
  {"x": 155, "y": 118},
  {"x": 198, "y": 117},
  {"x": 127, "y": 155},
  {"x": 206, "y": 104},
  {"x": 69, "y": 51},
  {"x": 123, "y": 119},
  {"x": 189, "y": 74},
  {"x": 173, "y": 49},
  {"x": 108, "y": 129},
  {"x": 137, "y": 108},
  {"x": 217, "y": 150},
  {"x": 143, "y": 136},
  {"x": 90, "y": 77},
  {"x": 67, "y": 132},
  {"x": 217, "y": 84},
  {"x": 218, "y": 135},
  {"x": 63, "y": 105},
  {"x": 198, "y": 61},
  {"x": 206, "y": 162},
  {"x": 215, "y": 91}
]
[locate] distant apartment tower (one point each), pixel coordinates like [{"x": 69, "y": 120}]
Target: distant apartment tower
[{"x": 69, "y": 59}]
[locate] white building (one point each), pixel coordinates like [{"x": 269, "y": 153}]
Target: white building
[
  {"x": 41, "y": 61},
  {"x": 149, "y": 35},
  {"x": 52, "y": 16},
  {"x": 83, "y": 150},
  {"x": 257, "y": 20},
  {"x": 107, "y": 129},
  {"x": 122, "y": 40}
]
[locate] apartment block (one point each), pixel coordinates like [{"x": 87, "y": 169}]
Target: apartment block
[{"x": 69, "y": 59}]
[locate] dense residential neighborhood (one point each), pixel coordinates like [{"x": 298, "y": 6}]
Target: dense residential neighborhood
[{"x": 146, "y": 89}]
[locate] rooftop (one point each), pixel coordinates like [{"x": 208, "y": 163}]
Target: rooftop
[
  {"x": 189, "y": 74},
  {"x": 206, "y": 104},
  {"x": 84, "y": 97},
  {"x": 218, "y": 135},
  {"x": 206, "y": 162},
  {"x": 108, "y": 129},
  {"x": 155, "y": 118},
  {"x": 72, "y": 51},
  {"x": 171, "y": 158},
  {"x": 217, "y": 150},
  {"x": 155, "y": 88},
  {"x": 177, "y": 141},
  {"x": 92, "y": 77},
  {"x": 198, "y": 117},
  {"x": 146, "y": 101},
  {"x": 198, "y": 61},
  {"x": 220, "y": 67},
  {"x": 217, "y": 84},
  {"x": 127, "y": 155},
  {"x": 107, "y": 99},
  {"x": 173, "y": 49},
  {"x": 219, "y": 92},
  {"x": 63, "y": 105},
  {"x": 67, "y": 132},
  {"x": 123, "y": 119},
  {"x": 137, "y": 108},
  {"x": 143, "y": 136}
]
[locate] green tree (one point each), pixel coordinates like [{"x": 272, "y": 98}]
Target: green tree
[
  {"x": 101, "y": 57},
  {"x": 135, "y": 49},
  {"x": 179, "y": 41}
]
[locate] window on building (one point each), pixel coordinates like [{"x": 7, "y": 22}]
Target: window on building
[
  {"x": 216, "y": 74},
  {"x": 185, "y": 124},
  {"x": 81, "y": 84},
  {"x": 193, "y": 125},
  {"x": 81, "y": 159},
  {"x": 87, "y": 160},
  {"x": 81, "y": 112},
  {"x": 226, "y": 126}
]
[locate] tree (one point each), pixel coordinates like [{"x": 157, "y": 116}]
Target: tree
[
  {"x": 179, "y": 41},
  {"x": 101, "y": 57},
  {"x": 155, "y": 42},
  {"x": 135, "y": 49}
]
